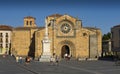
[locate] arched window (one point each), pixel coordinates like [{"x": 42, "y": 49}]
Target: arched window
[
  {"x": 30, "y": 22},
  {"x": 26, "y": 22}
]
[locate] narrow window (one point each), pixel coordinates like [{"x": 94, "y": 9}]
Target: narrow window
[
  {"x": 6, "y": 34},
  {"x": 26, "y": 22},
  {"x": 30, "y": 22},
  {"x": 1, "y": 46},
  {"x": 6, "y": 45},
  {"x": 1, "y": 40},
  {"x": 6, "y": 40},
  {"x": 0, "y": 34}
]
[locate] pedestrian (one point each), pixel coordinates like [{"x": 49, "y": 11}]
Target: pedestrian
[
  {"x": 66, "y": 56},
  {"x": 20, "y": 60},
  {"x": 52, "y": 59},
  {"x": 27, "y": 60},
  {"x": 11, "y": 54},
  {"x": 17, "y": 59},
  {"x": 57, "y": 60},
  {"x": 69, "y": 56},
  {"x": 4, "y": 55}
]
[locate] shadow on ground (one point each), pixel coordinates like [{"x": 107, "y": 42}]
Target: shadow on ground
[{"x": 108, "y": 58}]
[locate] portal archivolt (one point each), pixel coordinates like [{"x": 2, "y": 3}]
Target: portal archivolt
[{"x": 67, "y": 47}]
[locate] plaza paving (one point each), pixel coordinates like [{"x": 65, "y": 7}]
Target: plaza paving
[{"x": 9, "y": 66}]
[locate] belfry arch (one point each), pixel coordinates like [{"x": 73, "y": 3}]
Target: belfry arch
[{"x": 66, "y": 46}]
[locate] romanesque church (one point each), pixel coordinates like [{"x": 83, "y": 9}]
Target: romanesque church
[{"x": 66, "y": 34}]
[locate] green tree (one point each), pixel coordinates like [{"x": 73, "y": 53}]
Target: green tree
[{"x": 106, "y": 36}]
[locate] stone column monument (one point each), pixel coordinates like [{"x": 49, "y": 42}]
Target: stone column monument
[{"x": 45, "y": 57}]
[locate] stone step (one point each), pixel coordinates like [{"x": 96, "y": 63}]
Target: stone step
[{"x": 45, "y": 58}]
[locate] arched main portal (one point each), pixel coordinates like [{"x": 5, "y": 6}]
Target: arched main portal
[
  {"x": 65, "y": 46},
  {"x": 65, "y": 49}
]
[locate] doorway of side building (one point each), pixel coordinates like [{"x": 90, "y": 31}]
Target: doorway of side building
[{"x": 65, "y": 49}]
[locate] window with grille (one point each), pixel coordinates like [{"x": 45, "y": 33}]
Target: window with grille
[
  {"x": 1, "y": 46},
  {"x": 6, "y": 40},
  {"x": 1, "y": 40},
  {"x": 6, "y": 34},
  {"x": 1, "y": 35},
  {"x": 6, "y": 45}
]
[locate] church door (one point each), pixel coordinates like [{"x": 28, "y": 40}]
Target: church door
[{"x": 65, "y": 49}]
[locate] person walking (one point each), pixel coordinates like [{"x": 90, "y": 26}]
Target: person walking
[
  {"x": 20, "y": 59},
  {"x": 66, "y": 56},
  {"x": 27, "y": 60},
  {"x": 57, "y": 60},
  {"x": 17, "y": 59},
  {"x": 52, "y": 59}
]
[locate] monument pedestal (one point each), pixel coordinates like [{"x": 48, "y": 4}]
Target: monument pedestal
[{"x": 45, "y": 57}]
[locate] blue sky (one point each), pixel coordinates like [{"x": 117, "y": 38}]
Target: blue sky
[{"x": 103, "y": 14}]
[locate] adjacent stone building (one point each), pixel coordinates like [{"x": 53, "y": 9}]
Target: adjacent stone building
[
  {"x": 66, "y": 34},
  {"x": 23, "y": 38},
  {"x": 115, "y": 30},
  {"x": 5, "y": 39}
]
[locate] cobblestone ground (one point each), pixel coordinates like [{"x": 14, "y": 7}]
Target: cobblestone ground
[{"x": 9, "y": 66}]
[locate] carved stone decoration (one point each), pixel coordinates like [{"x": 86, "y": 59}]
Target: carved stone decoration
[{"x": 65, "y": 28}]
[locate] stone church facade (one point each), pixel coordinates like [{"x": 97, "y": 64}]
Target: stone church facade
[{"x": 66, "y": 34}]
